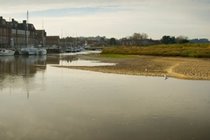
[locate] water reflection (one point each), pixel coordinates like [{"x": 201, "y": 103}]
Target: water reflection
[
  {"x": 59, "y": 59},
  {"x": 22, "y": 65},
  {"x": 28, "y": 66},
  {"x": 74, "y": 60},
  {"x": 71, "y": 104},
  {"x": 17, "y": 73}
]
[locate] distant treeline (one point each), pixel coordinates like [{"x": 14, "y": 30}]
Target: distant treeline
[
  {"x": 136, "y": 39},
  {"x": 181, "y": 40},
  {"x": 139, "y": 39}
]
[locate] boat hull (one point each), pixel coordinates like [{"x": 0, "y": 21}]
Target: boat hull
[
  {"x": 33, "y": 51},
  {"x": 6, "y": 52},
  {"x": 42, "y": 51}
]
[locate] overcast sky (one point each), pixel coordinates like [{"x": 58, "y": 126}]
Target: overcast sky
[{"x": 114, "y": 18}]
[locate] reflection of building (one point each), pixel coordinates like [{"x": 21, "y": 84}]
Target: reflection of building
[
  {"x": 18, "y": 73},
  {"x": 14, "y": 34},
  {"x": 22, "y": 65},
  {"x": 58, "y": 58}
]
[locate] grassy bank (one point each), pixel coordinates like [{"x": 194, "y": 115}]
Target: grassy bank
[{"x": 183, "y": 50}]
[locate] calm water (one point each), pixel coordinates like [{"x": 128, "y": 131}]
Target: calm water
[{"x": 42, "y": 102}]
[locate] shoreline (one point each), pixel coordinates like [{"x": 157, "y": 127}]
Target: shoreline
[{"x": 176, "y": 67}]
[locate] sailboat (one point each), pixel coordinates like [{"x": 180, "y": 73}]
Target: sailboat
[{"x": 31, "y": 50}]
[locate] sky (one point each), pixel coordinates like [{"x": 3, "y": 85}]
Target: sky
[{"x": 113, "y": 18}]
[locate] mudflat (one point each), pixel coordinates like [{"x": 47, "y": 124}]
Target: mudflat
[{"x": 177, "y": 67}]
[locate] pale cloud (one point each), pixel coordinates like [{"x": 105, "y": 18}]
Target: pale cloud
[{"x": 116, "y": 18}]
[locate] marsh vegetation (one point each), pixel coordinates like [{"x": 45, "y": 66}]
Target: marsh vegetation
[{"x": 183, "y": 50}]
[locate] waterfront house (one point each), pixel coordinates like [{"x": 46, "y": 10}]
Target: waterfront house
[{"x": 18, "y": 35}]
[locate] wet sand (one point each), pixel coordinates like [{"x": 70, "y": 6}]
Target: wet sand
[{"x": 177, "y": 67}]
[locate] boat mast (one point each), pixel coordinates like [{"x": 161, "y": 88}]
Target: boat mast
[
  {"x": 27, "y": 29},
  {"x": 43, "y": 33}
]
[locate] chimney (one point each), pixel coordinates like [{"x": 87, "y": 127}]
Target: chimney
[{"x": 24, "y": 21}]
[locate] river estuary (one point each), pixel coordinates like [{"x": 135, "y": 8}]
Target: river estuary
[{"x": 41, "y": 102}]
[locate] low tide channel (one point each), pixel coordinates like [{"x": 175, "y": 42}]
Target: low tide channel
[{"x": 41, "y": 102}]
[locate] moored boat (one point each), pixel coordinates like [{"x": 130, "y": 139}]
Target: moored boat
[
  {"x": 29, "y": 51},
  {"x": 6, "y": 52},
  {"x": 33, "y": 51},
  {"x": 42, "y": 51}
]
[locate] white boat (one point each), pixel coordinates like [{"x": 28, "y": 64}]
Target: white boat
[
  {"x": 69, "y": 49},
  {"x": 29, "y": 51},
  {"x": 33, "y": 51},
  {"x": 42, "y": 51},
  {"x": 6, "y": 52}
]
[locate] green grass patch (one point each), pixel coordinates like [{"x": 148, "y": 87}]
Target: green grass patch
[{"x": 184, "y": 50}]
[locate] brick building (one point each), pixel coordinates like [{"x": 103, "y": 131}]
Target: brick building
[
  {"x": 4, "y": 33},
  {"x": 14, "y": 34},
  {"x": 40, "y": 37},
  {"x": 52, "y": 41}
]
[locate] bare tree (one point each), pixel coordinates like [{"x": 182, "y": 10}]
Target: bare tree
[
  {"x": 182, "y": 39},
  {"x": 139, "y": 36}
]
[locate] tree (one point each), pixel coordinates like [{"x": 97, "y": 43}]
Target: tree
[
  {"x": 112, "y": 41},
  {"x": 182, "y": 39},
  {"x": 144, "y": 36},
  {"x": 168, "y": 40},
  {"x": 139, "y": 36}
]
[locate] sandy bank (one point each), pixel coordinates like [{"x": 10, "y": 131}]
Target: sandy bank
[{"x": 183, "y": 68}]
